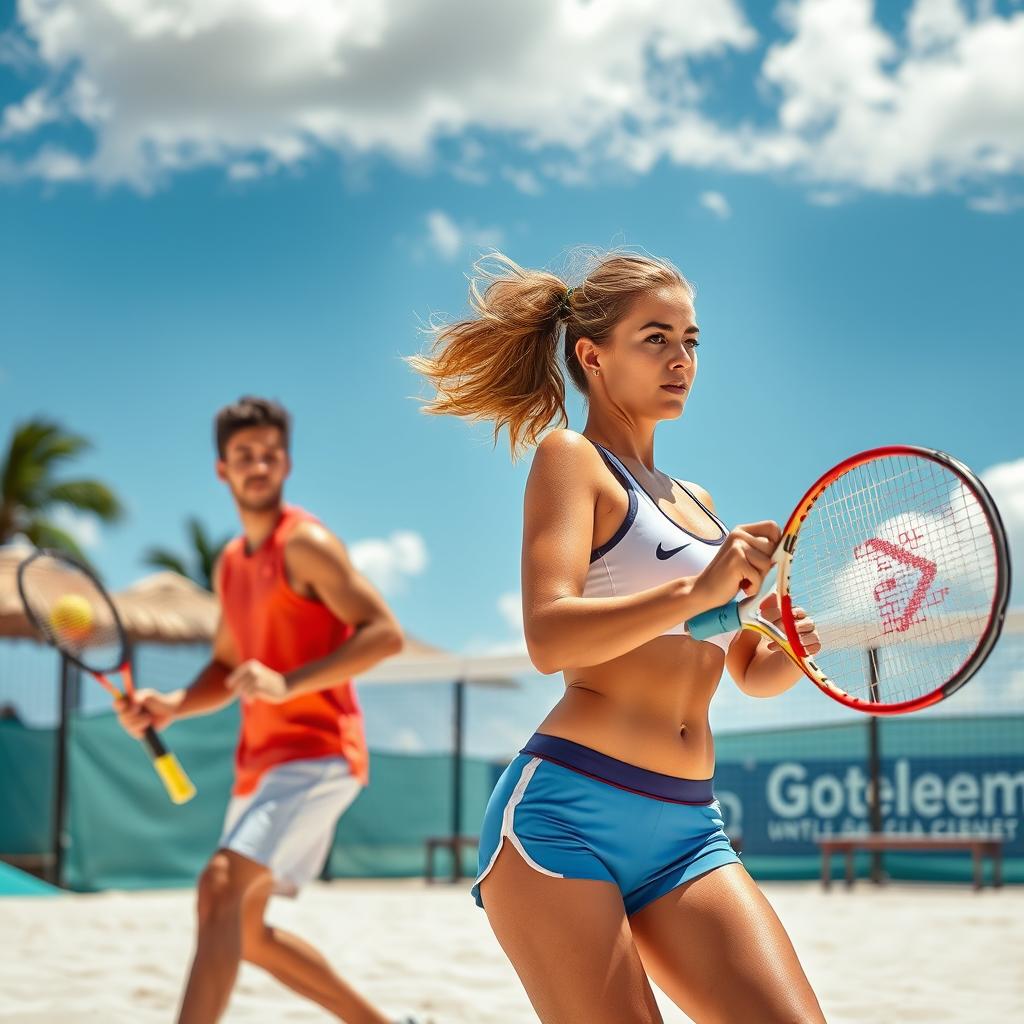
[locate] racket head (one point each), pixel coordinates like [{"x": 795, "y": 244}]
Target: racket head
[
  {"x": 900, "y": 557},
  {"x": 71, "y": 609}
]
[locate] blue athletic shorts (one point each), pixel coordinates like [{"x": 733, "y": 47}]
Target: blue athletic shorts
[{"x": 572, "y": 812}]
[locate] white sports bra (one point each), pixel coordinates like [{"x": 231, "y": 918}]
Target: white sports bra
[{"x": 649, "y": 548}]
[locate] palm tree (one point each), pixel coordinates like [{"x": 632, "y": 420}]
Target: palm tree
[
  {"x": 29, "y": 494},
  {"x": 204, "y": 555}
]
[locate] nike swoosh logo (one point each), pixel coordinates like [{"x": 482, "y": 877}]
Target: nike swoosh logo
[{"x": 663, "y": 554}]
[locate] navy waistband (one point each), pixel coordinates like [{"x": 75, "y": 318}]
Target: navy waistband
[{"x": 619, "y": 773}]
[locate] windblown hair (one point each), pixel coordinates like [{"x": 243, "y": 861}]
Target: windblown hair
[
  {"x": 502, "y": 363},
  {"x": 249, "y": 411}
]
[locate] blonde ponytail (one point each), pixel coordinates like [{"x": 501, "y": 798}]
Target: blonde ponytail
[{"x": 502, "y": 363}]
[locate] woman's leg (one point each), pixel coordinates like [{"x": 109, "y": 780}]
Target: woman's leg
[
  {"x": 570, "y": 944},
  {"x": 717, "y": 949}
]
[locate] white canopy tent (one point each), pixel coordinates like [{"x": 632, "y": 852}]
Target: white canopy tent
[{"x": 422, "y": 663}]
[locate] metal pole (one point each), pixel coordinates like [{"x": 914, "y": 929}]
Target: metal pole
[
  {"x": 59, "y": 837},
  {"x": 458, "y": 728},
  {"x": 874, "y": 767}
]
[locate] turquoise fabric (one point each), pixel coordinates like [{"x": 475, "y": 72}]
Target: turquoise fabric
[{"x": 124, "y": 833}]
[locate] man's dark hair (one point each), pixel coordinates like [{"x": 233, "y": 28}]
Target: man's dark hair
[{"x": 250, "y": 411}]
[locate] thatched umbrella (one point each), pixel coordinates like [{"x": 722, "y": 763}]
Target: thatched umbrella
[
  {"x": 13, "y": 621},
  {"x": 163, "y": 608},
  {"x": 167, "y": 608}
]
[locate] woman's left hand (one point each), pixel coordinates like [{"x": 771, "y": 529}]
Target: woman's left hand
[{"x": 804, "y": 625}]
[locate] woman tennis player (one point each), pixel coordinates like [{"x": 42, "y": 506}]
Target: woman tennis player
[{"x": 603, "y": 860}]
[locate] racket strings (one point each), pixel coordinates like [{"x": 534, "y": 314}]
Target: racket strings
[
  {"x": 897, "y": 564},
  {"x": 73, "y": 613}
]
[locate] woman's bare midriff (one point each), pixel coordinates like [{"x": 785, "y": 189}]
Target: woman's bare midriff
[{"x": 648, "y": 708}]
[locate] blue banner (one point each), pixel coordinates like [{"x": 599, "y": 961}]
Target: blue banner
[{"x": 783, "y": 806}]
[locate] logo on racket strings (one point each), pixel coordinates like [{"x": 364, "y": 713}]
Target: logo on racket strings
[{"x": 902, "y": 596}]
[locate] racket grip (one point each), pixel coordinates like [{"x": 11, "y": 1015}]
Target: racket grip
[
  {"x": 715, "y": 622},
  {"x": 178, "y": 785}
]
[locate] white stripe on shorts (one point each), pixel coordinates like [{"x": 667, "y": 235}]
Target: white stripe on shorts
[{"x": 508, "y": 824}]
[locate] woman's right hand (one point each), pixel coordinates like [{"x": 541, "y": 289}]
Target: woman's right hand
[
  {"x": 742, "y": 563},
  {"x": 144, "y": 708}
]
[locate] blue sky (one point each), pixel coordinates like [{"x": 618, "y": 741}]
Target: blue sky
[{"x": 203, "y": 199}]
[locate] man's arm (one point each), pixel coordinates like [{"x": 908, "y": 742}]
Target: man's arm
[
  {"x": 318, "y": 565},
  {"x": 207, "y": 692}
]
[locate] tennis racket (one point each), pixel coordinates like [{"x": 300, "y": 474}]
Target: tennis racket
[
  {"x": 899, "y": 556},
  {"x": 72, "y": 611}
]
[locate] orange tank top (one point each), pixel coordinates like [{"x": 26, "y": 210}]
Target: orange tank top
[{"x": 270, "y": 622}]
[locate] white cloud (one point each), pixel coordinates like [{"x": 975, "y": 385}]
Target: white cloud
[
  {"x": 510, "y": 606},
  {"x": 16, "y": 53},
  {"x": 833, "y": 59},
  {"x": 826, "y": 197},
  {"x": 1005, "y": 482},
  {"x": 57, "y": 165},
  {"x": 525, "y": 181},
  {"x": 26, "y": 116},
  {"x": 82, "y": 526},
  {"x": 444, "y": 235},
  {"x": 244, "y": 170},
  {"x": 998, "y": 202},
  {"x": 448, "y": 239},
  {"x": 1014, "y": 690},
  {"x": 717, "y": 204},
  {"x": 170, "y": 85},
  {"x": 407, "y": 741},
  {"x": 946, "y": 539},
  {"x": 938, "y": 114},
  {"x": 951, "y": 538},
  {"x": 503, "y": 734},
  {"x": 935, "y": 23},
  {"x": 497, "y": 648},
  {"x": 390, "y": 562},
  {"x": 579, "y": 87}
]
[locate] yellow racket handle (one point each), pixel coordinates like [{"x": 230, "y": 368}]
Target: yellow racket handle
[{"x": 178, "y": 785}]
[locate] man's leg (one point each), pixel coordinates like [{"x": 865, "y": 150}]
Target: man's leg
[
  {"x": 295, "y": 963},
  {"x": 222, "y": 889}
]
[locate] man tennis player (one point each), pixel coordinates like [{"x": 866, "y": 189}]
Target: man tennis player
[{"x": 297, "y": 622}]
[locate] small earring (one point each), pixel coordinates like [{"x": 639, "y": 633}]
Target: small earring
[{"x": 597, "y": 373}]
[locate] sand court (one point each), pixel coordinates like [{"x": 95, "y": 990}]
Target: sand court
[{"x": 902, "y": 952}]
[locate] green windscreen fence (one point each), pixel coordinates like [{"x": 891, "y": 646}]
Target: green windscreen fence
[
  {"x": 26, "y": 788},
  {"x": 781, "y": 790},
  {"x": 122, "y": 832}
]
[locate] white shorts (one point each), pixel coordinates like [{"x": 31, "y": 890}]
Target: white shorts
[{"x": 287, "y": 824}]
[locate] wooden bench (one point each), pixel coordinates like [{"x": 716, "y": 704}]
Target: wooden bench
[
  {"x": 980, "y": 846},
  {"x": 455, "y": 845}
]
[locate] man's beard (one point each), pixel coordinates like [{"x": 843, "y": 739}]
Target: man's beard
[{"x": 264, "y": 504}]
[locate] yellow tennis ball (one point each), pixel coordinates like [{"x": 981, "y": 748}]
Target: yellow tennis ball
[{"x": 71, "y": 618}]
